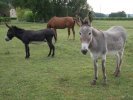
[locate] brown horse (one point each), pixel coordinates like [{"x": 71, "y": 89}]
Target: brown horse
[{"x": 63, "y": 22}]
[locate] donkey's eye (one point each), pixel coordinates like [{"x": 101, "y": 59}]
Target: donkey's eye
[
  {"x": 79, "y": 33},
  {"x": 89, "y": 33}
]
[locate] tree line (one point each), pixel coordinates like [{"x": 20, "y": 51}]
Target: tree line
[
  {"x": 113, "y": 14},
  {"x": 45, "y": 9}
]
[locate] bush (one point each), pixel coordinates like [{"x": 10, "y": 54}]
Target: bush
[
  {"x": 20, "y": 14},
  {"x": 112, "y": 18},
  {"x": 28, "y": 16},
  {"x": 5, "y": 19}
]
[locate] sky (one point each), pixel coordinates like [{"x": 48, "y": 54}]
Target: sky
[{"x": 108, "y": 6}]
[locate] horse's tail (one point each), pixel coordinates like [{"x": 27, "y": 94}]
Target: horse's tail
[{"x": 76, "y": 20}]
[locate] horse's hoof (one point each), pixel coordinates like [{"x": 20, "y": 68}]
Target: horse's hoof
[{"x": 93, "y": 82}]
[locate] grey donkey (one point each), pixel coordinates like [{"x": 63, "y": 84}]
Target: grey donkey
[{"x": 100, "y": 43}]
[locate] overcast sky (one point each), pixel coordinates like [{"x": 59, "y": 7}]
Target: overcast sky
[{"x": 108, "y": 6}]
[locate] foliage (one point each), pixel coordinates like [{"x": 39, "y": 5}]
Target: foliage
[
  {"x": 118, "y": 14},
  {"x": 28, "y": 16},
  {"x": 67, "y": 76},
  {"x": 45, "y": 9},
  {"x": 20, "y": 14},
  {"x": 99, "y": 15},
  {"x": 113, "y": 18},
  {"x": 5, "y": 19},
  {"x": 4, "y": 9}
]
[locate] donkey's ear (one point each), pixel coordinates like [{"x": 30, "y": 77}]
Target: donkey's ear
[
  {"x": 87, "y": 21},
  {"x": 7, "y": 25}
]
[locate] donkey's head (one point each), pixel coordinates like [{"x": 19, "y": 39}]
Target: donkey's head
[
  {"x": 10, "y": 32},
  {"x": 85, "y": 35}
]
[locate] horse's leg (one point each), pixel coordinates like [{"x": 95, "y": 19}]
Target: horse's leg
[
  {"x": 55, "y": 32},
  {"x": 95, "y": 72},
  {"x": 27, "y": 51},
  {"x": 73, "y": 33},
  {"x": 103, "y": 69},
  {"x": 68, "y": 33}
]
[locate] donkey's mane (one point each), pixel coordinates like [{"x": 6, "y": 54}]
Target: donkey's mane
[
  {"x": 17, "y": 29},
  {"x": 96, "y": 31}
]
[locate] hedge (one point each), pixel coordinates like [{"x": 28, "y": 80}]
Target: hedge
[
  {"x": 5, "y": 19},
  {"x": 113, "y": 18}
]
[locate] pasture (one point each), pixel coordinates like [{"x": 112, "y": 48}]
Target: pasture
[{"x": 67, "y": 76}]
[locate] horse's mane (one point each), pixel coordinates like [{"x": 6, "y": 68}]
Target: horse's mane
[{"x": 17, "y": 29}]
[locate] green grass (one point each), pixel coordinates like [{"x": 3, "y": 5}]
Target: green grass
[{"x": 67, "y": 76}]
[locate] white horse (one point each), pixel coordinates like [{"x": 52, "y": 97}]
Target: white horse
[{"x": 99, "y": 43}]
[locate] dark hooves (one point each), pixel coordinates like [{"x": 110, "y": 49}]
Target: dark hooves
[
  {"x": 27, "y": 57},
  {"x": 117, "y": 74},
  {"x": 93, "y": 82},
  {"x": 51, "y": 56}
]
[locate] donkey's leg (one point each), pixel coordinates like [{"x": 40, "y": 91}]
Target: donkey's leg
[
  {"x": 117, "y": 64},
  {"x": 104, "y": 69},
  {"x": 121, "y": 55},
  {"x": 95, "y": 72},
  {"x": 73, "y": 33},
  {"x": 51, "y": 46},
  {"x": 68, "y": 33},
  {"x": 27, "y": 51},
  {"x": 118, "y": 68},
  {"x": 53, "y": 50}
]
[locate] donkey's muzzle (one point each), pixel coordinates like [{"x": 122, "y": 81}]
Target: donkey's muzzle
[
  {"x": 84, "y": 51},
  {"x": 7, "y": 39}
]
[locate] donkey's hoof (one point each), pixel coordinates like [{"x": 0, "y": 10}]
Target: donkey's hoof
[
  {"x": 27, "y": 57},
  {"x": 48, "y": 55},
  {"x": 117, "y": 73},
  {"x": 104, "y": 82},
  {"x": 93, "y": 82}
]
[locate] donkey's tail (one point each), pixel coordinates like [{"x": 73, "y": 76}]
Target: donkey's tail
[{"x": 55, "y": 35}]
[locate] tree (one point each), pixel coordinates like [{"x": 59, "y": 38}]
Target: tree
[
  {"x": 45, "y": 9},
  {"x": 4, "y": 9},
  {"x": 118, "y": 14},
  {"x": 99, "y": 15}
]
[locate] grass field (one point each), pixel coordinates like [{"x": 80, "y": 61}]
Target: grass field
[{"x": 67, "y": 76}]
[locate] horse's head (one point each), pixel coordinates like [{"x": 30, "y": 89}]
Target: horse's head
[
  {"x": 10, "y": 33},
  {"x": 85, "y": 35}
]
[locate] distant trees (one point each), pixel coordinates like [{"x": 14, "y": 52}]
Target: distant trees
[
  {"x": 4, "y": 9},
  {"x": 99, "y": 15},
  {"x": 45, "y": 9},
  {"x": 118, "y": 14}
]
